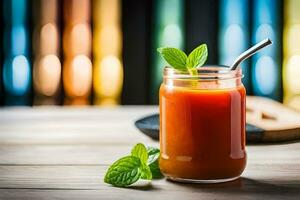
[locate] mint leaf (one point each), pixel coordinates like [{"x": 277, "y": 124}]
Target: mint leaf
[
  {"x": 140, "y": 151},
  {"x": 153, "y": 154},
  {"x": 180, "y": 61},
  {"x": 197, "y": 57},
  {"x": 155, "y": 170},
  {"x": 175, "y": 57},
  {"x": 153, "y": 163},
  {"x": 142, "y": 163},
  {"x": 145, "y": 172},
  {"x": 124, "y": 172}
]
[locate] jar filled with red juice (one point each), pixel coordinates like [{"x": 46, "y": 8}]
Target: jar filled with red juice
[{"x": 202, "y": 125}]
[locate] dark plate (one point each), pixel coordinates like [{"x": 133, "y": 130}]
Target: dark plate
[{"x": 150, "y": 126}]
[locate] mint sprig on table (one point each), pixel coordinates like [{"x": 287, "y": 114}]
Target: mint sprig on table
[
  {"x": 141, "y": 164},
  {"x": 177, "y": 59}
]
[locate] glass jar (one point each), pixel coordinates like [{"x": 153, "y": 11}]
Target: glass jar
[{"x": 202, "y": 125}]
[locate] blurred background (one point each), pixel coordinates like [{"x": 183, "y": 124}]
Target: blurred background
[{"x": 103, "y": 52}]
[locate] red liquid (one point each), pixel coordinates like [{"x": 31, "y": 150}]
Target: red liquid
[{"x": 202, "y": 133}]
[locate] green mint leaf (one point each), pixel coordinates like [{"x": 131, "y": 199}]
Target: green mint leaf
[
  {"x": 140, "y": 151},
  {"x": 124, "y": 172},
  {"x": 145, "y": 172},
  {"x": 153, "y": 154},
  {"x": 153, "y": 162},
  {"x": 155, "y": 170},
  {"x": 175, "y": 57},
  {"x": 152, "y": 150},
  {"x": 142, "y": 163},
  {"x": 197, "y": 57}
]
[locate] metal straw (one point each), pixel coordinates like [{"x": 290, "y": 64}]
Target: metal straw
[{"x": 250, "y": 52}]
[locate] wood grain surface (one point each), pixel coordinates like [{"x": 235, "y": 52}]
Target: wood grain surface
[
  {"x": 277, "y": 121},
  {"x": 63, "y": 153}
]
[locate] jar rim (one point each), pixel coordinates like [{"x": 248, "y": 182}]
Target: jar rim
[{"x": 207, "y": 72}]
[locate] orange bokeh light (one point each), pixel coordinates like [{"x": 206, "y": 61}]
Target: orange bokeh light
[
  {"x": 46, "y": 73},
  {"x": 78, "y": 76}
]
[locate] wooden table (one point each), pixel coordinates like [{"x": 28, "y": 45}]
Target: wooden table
[{"x": 63, "y": 153}]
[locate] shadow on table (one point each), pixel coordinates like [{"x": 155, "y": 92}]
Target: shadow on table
[
  {"x": 241, "y": 187},
  {"x": 248, "y": 186},
  {"x": 273, "y": 143},
  {"x": 145, "y": 186}
]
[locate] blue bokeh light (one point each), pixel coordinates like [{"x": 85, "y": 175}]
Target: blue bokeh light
[
  {"x": 18, "y": 40},
  {"x": 16, "y": 75},
  {"x": 233, "y": 35},
  {"x": 265, "y": 74},
  {"x": 266, "y": 68}
]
